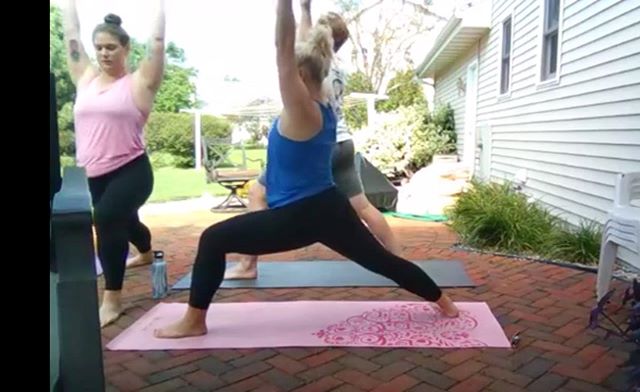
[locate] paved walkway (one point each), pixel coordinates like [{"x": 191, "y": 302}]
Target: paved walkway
[{"x": 547, "y": 303}]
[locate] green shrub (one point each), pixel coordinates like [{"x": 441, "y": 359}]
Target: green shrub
[
  {"x": 66, "y": 160},
  {"x": 172, "y": 133},
  {"x": 495, "y": 216},
  {"x": 408, "y": 138},
  {"x": 66, "y": 137},
  {"x": 388, "y": 147},
  {"x": 162, "y": 159},
  {"x": 435, "y": 134},
  {"x": 579, "y": 245},
  {"x": 355, "y": 114}
]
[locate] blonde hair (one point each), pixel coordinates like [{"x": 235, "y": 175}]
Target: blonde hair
[
  {"x": 316, "y": 52},
  {"x": 339, "y": 29}
]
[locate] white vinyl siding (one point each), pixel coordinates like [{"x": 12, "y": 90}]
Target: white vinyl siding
[
  {"x": 447, "y": 92},
  {"x": 572, "y": 137}
]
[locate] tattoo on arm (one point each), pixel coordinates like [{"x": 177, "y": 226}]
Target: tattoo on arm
[{"x": 74, "y": 50}]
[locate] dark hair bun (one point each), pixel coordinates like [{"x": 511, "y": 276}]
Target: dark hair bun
[{"x": 113, "y": 19}]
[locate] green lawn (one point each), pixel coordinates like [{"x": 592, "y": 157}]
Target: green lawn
[{"x": 177, "y": 184}]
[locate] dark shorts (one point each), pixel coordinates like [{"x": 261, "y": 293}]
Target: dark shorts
[{"x": 345, "y": 174}]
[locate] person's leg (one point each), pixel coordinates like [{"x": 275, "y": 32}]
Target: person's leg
[
  {"x": 261, "y": 232},
  {"x": 140, "y": 237},
  {"x": 247, "y": 268},
  {"x": 376, "y": 223},
  {"x": 125, "y": 191},
  {"x": 348, "y": 236},
  {"x": 349, "y": 182}
]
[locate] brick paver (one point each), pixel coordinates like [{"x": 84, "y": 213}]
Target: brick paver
[{"x": 547, "y": 304}]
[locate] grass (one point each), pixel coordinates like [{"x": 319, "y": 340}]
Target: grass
[
  {"x": 177, "y": 184},
  {"x": 172, "y": 183}
]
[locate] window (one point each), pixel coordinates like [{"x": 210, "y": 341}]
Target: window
[
  {"x": 550, "y": 32},
  {"x": 505, "y": 56}
]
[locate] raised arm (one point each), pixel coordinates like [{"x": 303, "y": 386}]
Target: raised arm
[
  {"x": 151, "y": 68},
  {"x": 305, "y": 19},
  {"x": 301, "y": 117},
  {"x": 78, "y": 61}
]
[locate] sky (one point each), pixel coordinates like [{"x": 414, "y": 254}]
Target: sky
[{"x": 220, "y": 38}]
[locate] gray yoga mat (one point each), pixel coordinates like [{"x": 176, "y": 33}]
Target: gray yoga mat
[{"x": 330, "y": 273}]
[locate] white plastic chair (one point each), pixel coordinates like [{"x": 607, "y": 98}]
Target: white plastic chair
[{"x": 621, "y": 232}]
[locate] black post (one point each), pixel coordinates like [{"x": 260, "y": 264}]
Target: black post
[{"x": 81, "y": 365}]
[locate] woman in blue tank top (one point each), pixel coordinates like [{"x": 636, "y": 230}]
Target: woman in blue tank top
[{"x": 304, "y": 205}]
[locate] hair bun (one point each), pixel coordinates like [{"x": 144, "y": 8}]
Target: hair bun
[{"x": 113, "y": 19}]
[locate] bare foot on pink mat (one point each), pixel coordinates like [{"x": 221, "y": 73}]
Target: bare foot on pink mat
[
  {"x": 192, "y": 324},
  {"x": 447, "y": 306}
]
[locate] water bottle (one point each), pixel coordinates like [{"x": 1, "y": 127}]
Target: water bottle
[{"x": 159, "y": 275}]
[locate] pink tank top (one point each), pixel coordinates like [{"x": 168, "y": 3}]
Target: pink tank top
[{"x": 108, "y": 127}]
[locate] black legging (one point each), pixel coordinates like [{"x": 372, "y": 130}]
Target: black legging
[
  {"x": 117, "y": 196},
  {"x": 327, "y": 218}
]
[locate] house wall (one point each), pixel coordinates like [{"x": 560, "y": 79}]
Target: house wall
[
  {"x": 446, "y": 91},
  {"x": 573, "y": 136}
]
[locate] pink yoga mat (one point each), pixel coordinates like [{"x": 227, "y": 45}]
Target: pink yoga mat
[{"x": 320, "y": 323}]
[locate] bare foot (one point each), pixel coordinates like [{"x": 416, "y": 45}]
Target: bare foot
[
  {"x": 447, "y": 306},
  {"x": 111, "y": 308},
  {"x": 242, "y": 270},
  {"x": 192, "y": 324},
  {"x": 140, "y": 259}
]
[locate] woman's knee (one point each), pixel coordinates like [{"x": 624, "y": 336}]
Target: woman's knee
[
  {"x": 257, "y": 196},
  {"x": 214, "y": 239}
]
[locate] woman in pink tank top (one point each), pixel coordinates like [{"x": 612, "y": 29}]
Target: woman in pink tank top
[{"x": 111, "y": 108}]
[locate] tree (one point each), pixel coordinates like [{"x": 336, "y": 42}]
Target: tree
[
  {"x": 403, "y": 90},
  {"x": 65, "y": 90},
  {"x": 383, "y": 34},
  {"x": 355, "y": 114},
  {"x": 177, "y": 91}
]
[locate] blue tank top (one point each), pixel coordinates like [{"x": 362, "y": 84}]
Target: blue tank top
[{"x": 299, "y": 169}]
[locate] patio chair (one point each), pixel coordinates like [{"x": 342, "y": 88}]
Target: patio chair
[
  {"x": 621, "y": 233},
  {"x": 222, "y": 169}
]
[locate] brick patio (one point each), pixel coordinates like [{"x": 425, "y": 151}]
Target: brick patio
[{"x": 547, "y": 303}]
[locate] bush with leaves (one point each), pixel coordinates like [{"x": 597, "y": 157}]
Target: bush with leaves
[
  {"x": 434, "y": 134},
  {"x": 580, "y": 243},
  {"x": 355, "y": 114},
  {"x": 172, "y": 133},
  {"x": 65, "y": 130},
  {"x": 388, "y": 147},
  {"x": 407, "y": 138},
  {"x": 403, "y": 90},
  {"x": 497, "y": 217}
]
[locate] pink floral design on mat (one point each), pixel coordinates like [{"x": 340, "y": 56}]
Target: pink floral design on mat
[{"x": 403, "y": 325}]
